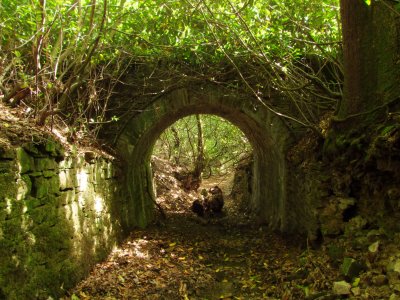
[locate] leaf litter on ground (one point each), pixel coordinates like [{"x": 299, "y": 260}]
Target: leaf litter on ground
[{"x": 226, "y": 257}]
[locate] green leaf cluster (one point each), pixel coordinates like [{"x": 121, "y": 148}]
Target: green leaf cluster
[
  {"x": 225, "y": 145},
  {"x": 71, "y": 54}
]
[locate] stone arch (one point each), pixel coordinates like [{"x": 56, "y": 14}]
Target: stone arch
[{"x": 266, "y": 132}]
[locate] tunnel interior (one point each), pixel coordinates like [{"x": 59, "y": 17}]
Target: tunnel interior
[
  {"x": 266, "y": 134},
  {"x": 198, "y": 153}
]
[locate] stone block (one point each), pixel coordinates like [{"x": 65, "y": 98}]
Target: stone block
[
  {"x": 8, "y": 186},
  {"x": 38, "y": 214},
  {"x": 68, "y": 179},
  {"x": 45, "y": 214},
  {"x": 25, "y": 161},
  {"x": 24, "y": 187},
  {"x": 32, "y": 149},
  {"x": 66, "y": 197},
  {"x": 6, "y": 166},
  {"x": 14, "y": 209},
  {"x": 332, "y": 215},
  {"x": 49, "y": 173},
  {"x": 67, "y": 163},
  {"x": 54, "y": 149},
  {"x": 54, "y": 183},
  {"x": 36, "y": 174},
  {"x": 47, "y": 163},
  {"x": 355, "y": 225},
  {"x": 7, "y": 153},
  {"x": 43, "y": 187},
  {"x": 32, "y": 203}
]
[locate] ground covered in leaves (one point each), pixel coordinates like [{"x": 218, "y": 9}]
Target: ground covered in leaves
[
  {"x": 186, "y": 258},
  {"x": 217, "y": 257},
  {"x": 232, "y": 257}
]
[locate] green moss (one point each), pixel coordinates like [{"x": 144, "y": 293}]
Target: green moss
[
  {"x": 49, "y": 174},
  {"x": 6, "y": 167},
  {"x": 31, "y": 148},
  {"x": 54, "y": 149},
  {"x": 37, "y": 234},
  {"x": 7, "y": 153},
  {"x": 51, "y": 147},
  {"x": 39, "y": 215},
  {"x": 42, "y": 164},
  {"x": 32, "y": 203},
  {"x": 25, "y": 161},
  {"x": 8, "y": 188}
]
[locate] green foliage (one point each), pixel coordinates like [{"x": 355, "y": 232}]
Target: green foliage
[
  {"x": 70, "y": 55},
  {"x": 224, "y": 144}
]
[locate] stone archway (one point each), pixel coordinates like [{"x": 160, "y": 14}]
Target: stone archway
[{"x": 269, "y": 136}]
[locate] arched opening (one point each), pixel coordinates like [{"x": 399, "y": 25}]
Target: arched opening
[
  {"x": 266, "y": 132},
  {"x": 199, "y": 154}
]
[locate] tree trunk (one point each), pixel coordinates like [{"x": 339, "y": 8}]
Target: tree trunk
[
  {"x": 371, "y": 54},
  {"x": 371, "y": 59},
  {"x": 355, "y": 16},
  {"x": 199, "y": 164}
]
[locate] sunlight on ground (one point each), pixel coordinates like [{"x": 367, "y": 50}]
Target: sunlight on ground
[{"x": 136, "y": 249}]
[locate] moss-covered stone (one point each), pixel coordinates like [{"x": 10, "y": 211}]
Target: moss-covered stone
[
  {"x": 25, "y": 161},
  {"x": 32, "y": 149},
  {"x": 43, "y": 187},
  {"x": 24, "y": 187},
  {"x": 68, "y": 163},
  {"x": 7, "y": 153},
  {"x": 32, "y": 203},
  {"x": 49, "y": 174},
  {"x": 68, "y": 179},
  {"x": 8, "y": 187},
  {"x": 66, "y": 197},
  {"x": 44, "y": 164},
  {"x": 54, "y": 149},
  {"x": 47, "y": 228}
]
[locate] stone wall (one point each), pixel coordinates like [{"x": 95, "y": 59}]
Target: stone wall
[{"x": 60, "y": 213}]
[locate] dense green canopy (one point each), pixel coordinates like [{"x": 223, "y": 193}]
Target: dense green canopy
[{"x": 70, "y": 55}]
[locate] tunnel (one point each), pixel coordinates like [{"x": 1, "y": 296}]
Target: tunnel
[{"x": 267, "y": 133}]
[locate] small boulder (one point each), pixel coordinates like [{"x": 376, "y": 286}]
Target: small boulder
[{"x": 341, "y": 288}]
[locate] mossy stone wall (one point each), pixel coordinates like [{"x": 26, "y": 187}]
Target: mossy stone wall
[{"x": 59, "y": 214}]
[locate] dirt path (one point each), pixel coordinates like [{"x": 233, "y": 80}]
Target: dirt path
[
  {"x": 189, "y": 258},
  {"x": 231, "y": 257}
]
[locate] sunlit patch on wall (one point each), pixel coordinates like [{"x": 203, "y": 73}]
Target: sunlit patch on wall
[
  {"x": 98, "y": 204},
  {"x": 83, "y": 180}
]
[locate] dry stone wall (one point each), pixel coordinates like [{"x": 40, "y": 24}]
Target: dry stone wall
[{"x": 59, "y": 214}]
